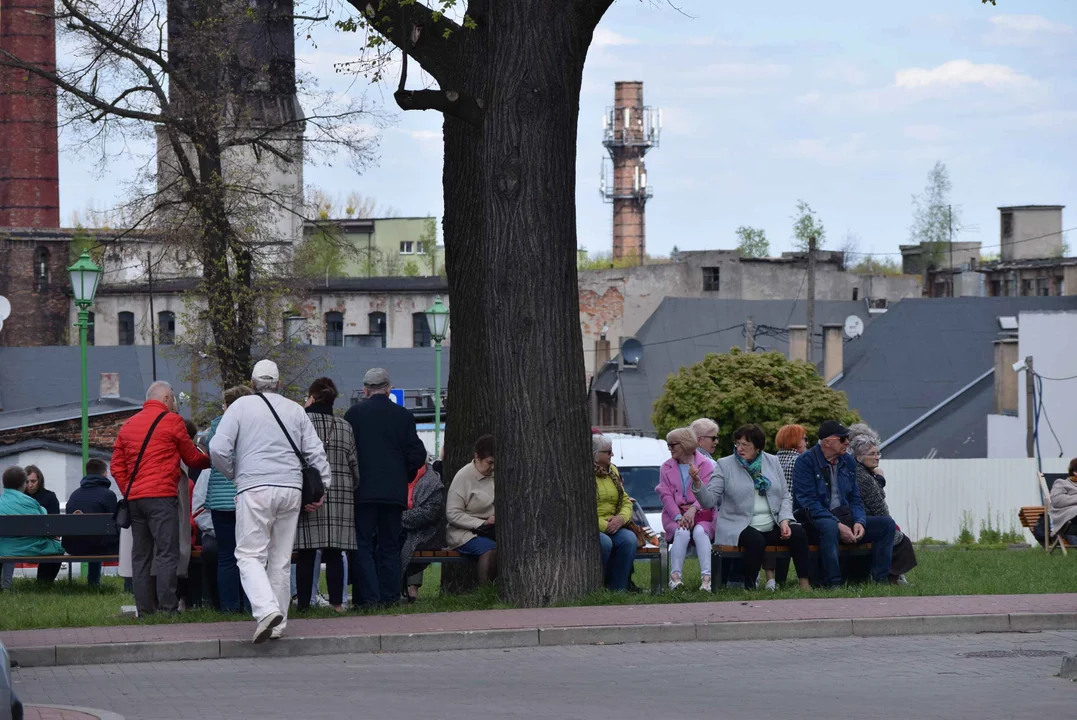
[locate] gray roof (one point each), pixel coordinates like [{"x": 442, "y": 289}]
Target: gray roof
[
  {"x": 682, "y": 331},
  {"x": 59, "y": 447},
  {"x": 37, "y": 378},
  {"x": 924, "y": 352},
  {"x": 26, "y": 417}
]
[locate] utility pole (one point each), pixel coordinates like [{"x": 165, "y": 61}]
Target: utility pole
[
  {"x": 811, "y": 296},
  {"x": 950, "y": 222},
  {"x": 1030, "y": 409},
  {"x": 749, "y": 335}
]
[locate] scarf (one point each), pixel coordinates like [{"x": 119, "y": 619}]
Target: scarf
[
  {"x": 412, "y": 485},
  {"x": 614, "y": 475},
  {"x": 755, "y": 469}
]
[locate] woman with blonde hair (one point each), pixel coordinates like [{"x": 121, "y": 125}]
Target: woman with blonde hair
[{"x": 683, "y": 519}]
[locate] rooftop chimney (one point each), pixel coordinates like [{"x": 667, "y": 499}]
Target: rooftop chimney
[
  {"x": 29, "y": 164},
  {"x": 798, "y": 342},
  {"x": 833, "y": 362},
  {"x": 1006, "y": 385},
  {"x": 110, "y": 385}
]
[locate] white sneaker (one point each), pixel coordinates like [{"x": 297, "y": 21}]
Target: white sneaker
[
  {"x": 705, "y": 583},
  {"x": 277, "y": 632},
  {"x": 771, "y": 586},
  {"x": 901, "y": 580},
  {"x": 321, "y": 601},
  {"x": 265, "y": 627},
  {"x": 674, "y": 584}
]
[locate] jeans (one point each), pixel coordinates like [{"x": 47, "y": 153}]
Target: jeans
[
  {"x": 307, "y": 572},
  {"x": 93, "y": 574},
  {"x": 618, "y": 557},
  {"x": 155, "y": 535},
  {"x": 7, "y": 575},
  {"x": 379, "y": 579},
  {"x": 681, "y": 538},
  {"x": 228, "y": 585},
  {"x": 266, "y": 522},
  {"x": 754, "y": 545},
  {"x": 879, "y": 531}
]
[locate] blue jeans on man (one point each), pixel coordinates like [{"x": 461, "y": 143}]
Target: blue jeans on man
[
  {"x": 879, "y": 531},
  {"x": 618, "y": 557},
  {"x": 229, "y": 588}
]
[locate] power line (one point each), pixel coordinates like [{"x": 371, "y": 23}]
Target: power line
[
  {"x": 688, "y": 337},
  {"x": 1043, "y": 377},
  {"x": 1041, "y": 410}
]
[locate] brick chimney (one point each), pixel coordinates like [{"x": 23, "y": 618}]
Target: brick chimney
[
  {"x": 630, "y": 129},
  {"x": 798, "y": 342},
  {"x": 1006, "y": 381},
  {"x": 29, "y": 164},
  {"x": 833, "y": 361}
]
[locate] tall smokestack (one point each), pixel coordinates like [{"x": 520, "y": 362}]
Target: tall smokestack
[
  {"x": 29, "y": 161},
  {"x": 630, "y": 129}
]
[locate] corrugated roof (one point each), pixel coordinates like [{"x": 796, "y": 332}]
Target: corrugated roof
[
  {"x": 922, "y": 352},
  {"x": 682, "y": 331},
  {"x": 11, "y": 419}
]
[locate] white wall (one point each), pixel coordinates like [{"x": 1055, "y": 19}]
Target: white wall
[
  {"x": 62, "y": 471},
  {"x": 927, "y": 497},
  {"x": 1050, "y": 338},
  {"x": 1006, "y": 437}
]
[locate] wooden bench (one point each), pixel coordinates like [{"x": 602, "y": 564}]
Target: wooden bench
[
  {"x": 79, "y": 525},
  {"x": 657, "y": 556},
  {"x": 777, "y": 553}
]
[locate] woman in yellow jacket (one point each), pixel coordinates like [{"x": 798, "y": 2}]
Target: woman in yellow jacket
[{"x": 614, "y": 512}]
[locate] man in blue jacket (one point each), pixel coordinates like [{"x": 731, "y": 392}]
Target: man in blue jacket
[
  {"x": 825, "y": 488},
  {"x": 93, "y": 495}
]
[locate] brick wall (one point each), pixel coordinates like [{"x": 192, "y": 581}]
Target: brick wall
[
  {"x": 38, "y": 310},
  {"x": 103, "y": 431},
  {"x": 29, "y": 165}
]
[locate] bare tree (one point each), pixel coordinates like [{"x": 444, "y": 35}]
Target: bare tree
[{"x": 213, "y": 81}]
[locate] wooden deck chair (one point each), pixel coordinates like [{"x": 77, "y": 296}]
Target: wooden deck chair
[{"x": 1059, "y": 540}]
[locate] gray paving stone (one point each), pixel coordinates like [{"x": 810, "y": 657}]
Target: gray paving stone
[
  {"x": 931, "y": 625},
  {"x": 774, "y": 630},
  {"x": 466, "y": 640},
  {"x": 1028, "y": 622},
  {"x": 617, "y": 634},
  {"x": 33, "y": 657},
  {"x": 295, "y": 647},
  {"x": 137, "y": 652}
]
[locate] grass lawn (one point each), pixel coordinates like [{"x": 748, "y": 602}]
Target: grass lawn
[{"x": 941, "y": 572}]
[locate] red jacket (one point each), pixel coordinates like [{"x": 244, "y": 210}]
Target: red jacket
[{"x": 159, "y": 471}]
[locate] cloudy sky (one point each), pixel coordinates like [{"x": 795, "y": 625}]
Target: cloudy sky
[{"x": 844, "y": 103}]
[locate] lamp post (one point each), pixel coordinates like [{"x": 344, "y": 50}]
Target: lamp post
[
  {"x": 437, "y": 317},
  {"x": 84, "y": 278}
]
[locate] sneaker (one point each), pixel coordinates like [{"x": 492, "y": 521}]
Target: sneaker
[
  {"x": 705, "y": 584},
  {"x": 321, "y": 601},
  {"x": 277, "y": 632},
  {"x": 901, "y": 580},
  {"x": 675, "y": 583},
  {"x": 771, "y": 586},
  {"x": 265, "y": 627}
]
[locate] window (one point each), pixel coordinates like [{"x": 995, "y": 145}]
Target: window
[
  {"x": 1007, "y": 224},
  {"x": 996, "y": 288},
  {"x": 856, "y": 294},
  {"x": 1026, "y": 288},
  {"x": 89, "y": 330},
  {"x": 334, "y": 329},
  {"x": 419, "y": 248},
  {"x": 420, "y": 330},
  {"x": 407, "y": 247},
  {"x": 710, "y": 279},
  {"x": 377, "y": 327},
  {"x": 127, "y": 328},
  {"x": 41, "y": 269},
  {"x": 166, "y": 327}
]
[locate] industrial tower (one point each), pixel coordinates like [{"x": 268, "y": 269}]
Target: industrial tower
[{"x": 629, "y": 130}]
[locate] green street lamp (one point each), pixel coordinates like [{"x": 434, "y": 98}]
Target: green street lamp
[
  {"x": 437, "y": 317},
  {"x": 84, "y": 278}
]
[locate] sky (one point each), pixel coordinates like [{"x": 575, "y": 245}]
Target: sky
[{"x": 845, "y": 104}]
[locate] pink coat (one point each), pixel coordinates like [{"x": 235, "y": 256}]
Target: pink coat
[{"x": 673, "y": 497}]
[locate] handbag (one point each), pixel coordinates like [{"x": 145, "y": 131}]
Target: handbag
[
  {"x": 313, "y": 487},
  {"x": 122, "y": 514},
  {"x": 486, "y": 531}
]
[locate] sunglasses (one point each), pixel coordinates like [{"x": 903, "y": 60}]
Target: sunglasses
[
  {"x": 708, "y": 437},
  {"x": 672, "y": 445}
]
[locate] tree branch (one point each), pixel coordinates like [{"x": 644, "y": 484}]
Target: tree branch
[
  {"x": 434, "y": 52},
  {"x": 450, "y": 102}
]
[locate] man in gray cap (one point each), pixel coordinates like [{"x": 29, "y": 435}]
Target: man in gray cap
[{"x": 390, "y": 454}]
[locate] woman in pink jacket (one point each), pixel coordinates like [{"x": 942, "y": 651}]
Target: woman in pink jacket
[{"x": 683, "y": 519}]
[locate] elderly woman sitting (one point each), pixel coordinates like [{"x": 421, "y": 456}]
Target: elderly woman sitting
[
  {"x": 792, "y": 442},
  {"x": 618, "y": 544},
  {"x": 706, "y": 432},
  {"x": 683, "y": 519},
  {"x": 864, "y": 447},
  {"x": 1064, "y": 504},
  {"x": 755, "y": 506}
]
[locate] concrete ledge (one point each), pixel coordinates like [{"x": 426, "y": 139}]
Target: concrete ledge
[
  {"x": 616, "y": 634},
  {"x": 34, "y": 656},
  {"x": 98, "y": 654},
  {"x": 298, "y": 646},
  {"x": 464, "y": 640},
  {"x": 1031, "y": 622},
  {"x": 931, "y": 625},
  {"x": 774, "y": 630},
  {"x": 1069, "y": 668}
]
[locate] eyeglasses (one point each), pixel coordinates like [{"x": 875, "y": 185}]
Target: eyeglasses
[
  {"x": 744, "y": 445},
  {"x": 672, "y": 445},
  {"x": 708, "y": 437},
  {"x": 875, "y": 454}
]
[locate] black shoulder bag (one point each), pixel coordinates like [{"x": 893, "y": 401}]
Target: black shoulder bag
[
  {"x": 122, "y": 515},
  {"x": 313, "y": 487}
]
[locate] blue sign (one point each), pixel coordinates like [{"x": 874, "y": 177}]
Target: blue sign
[{"x": 397, "y": 396}]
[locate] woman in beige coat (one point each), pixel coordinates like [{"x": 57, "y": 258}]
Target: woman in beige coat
[
  {"x": 1064, "y": 501},
  {"x": 469, "y": 510}
]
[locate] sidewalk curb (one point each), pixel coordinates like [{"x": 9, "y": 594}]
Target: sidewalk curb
[
  {"x": 94, "y": 654},
  {"x": 99, "y": 714}
]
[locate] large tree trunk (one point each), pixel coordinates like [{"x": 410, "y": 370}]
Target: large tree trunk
[
  {"x": 470, "y": 398},
  {"x": 547, "y": 529}
]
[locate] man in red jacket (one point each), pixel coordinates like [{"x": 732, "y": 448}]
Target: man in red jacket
[{"x": 153, "y": 499}]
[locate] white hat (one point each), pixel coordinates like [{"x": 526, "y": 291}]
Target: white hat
[{"x": 265, "y": 370}]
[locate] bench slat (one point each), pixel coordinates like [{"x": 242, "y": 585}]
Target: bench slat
[{"x": 82, "y": 525}]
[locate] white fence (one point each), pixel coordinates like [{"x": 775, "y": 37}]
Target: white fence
[{"x": 928, "y": 497}]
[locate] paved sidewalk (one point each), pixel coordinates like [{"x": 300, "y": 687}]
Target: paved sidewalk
[{"x": 762, "y": 619}]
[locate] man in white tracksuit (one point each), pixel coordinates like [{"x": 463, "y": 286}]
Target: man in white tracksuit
[{"x": 251, "y": 449}]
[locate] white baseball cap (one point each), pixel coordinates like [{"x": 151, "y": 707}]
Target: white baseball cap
[{"x": 265, "y": 370}]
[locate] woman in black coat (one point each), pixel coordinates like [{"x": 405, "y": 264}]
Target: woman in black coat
[
  {"x": 865, "y": 450},
  {"x": 35, "y": 488}
]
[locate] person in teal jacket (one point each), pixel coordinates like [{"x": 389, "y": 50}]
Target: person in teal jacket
[{"x": 15, "y": 501}]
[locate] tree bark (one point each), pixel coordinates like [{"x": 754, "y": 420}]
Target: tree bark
[{"x": 547, "y": 531}]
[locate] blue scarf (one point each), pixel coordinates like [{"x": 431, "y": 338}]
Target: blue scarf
[{"x": 755, "y": 469}]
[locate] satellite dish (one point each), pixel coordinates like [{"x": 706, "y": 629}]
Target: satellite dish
[
  {"x": 854, "y": 326},
  {"x": 631, "y": 352},
  {"x": 5, "y": 308}
]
